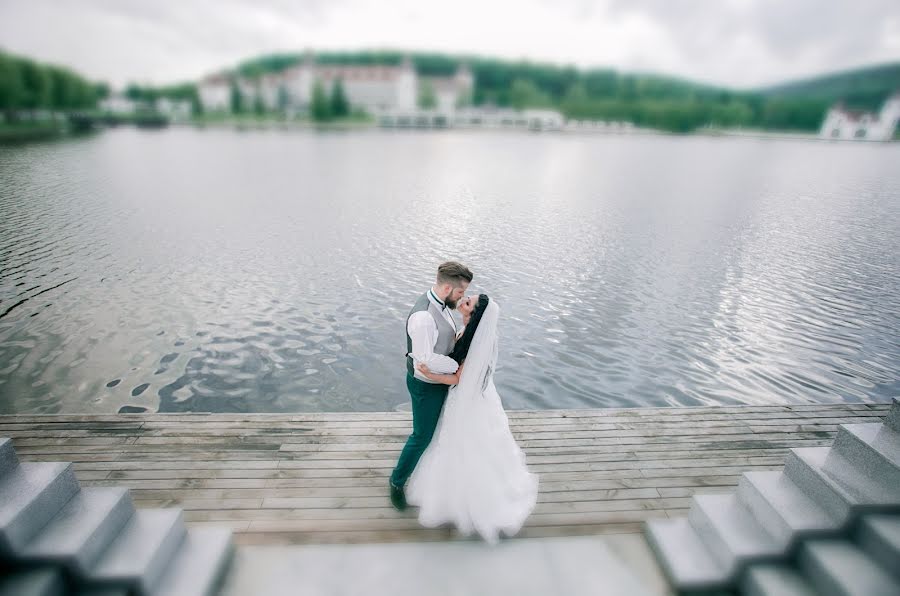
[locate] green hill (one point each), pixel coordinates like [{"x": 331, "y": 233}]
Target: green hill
[{"x": 862, "y": 87}]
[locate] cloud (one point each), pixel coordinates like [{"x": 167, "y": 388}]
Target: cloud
[
  {"x": 767, "y": 40},
  {"x": 731, "y": 42}
]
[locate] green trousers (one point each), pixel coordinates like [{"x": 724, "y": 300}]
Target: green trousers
[{"x": 427, "y": 402}]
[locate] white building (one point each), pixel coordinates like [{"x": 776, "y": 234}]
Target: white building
[
  {"x": 118, "y": 104},
  {"x": 271, "y": 89},
  {"x": 841, "y": 123},
  {"x": 452, "y": 93},
  {"x": 248, "y": 89},
  {"x": 176, "y": 110},
  {"x": 375, "y": 89},
  {"x": 370, "y": 88},
  {"x": 215, "y": 93}
]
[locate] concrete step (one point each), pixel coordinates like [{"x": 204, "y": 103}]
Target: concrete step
[
  {"x": 852, "y": 493},
  {"x": 83, "y": 528},
  {"x": 599, "y": 565},
  {"x": 836, "y": 567},
  {"x": 872, "y": 448},
  {"x": 139, "y": 556},
  {"x": 8, "y": 458},
  {"x": 30, "y": 496},
  {"x": 892, "y": 420},
  {"x": 775, "y": 580},
  {"x": 34, "y": 582},
  {"x": 685, "y": 559},
  {"x": 879, "y": 537},
  {"x": 730, "y": 532},
  {"x": 786, "y": 512},
  {"x": 198, "y": 566}
]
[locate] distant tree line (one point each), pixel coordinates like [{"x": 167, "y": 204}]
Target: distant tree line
[
  {"x": 28, "y": 86},
  {"x": 327, "y": 106},
  {"x": 148, "y": 95},
  {"x": 661, "y": 102}
]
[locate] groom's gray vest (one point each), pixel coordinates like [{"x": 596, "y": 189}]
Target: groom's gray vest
[{"x": 446, "y": 333}]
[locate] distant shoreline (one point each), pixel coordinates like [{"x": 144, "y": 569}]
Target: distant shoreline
[
  {"x": 786, "y": 135},
  {"x": 39, "y": 131},
  {"x": 20, "y": 133},
  {"x": 634, "y": 131}
]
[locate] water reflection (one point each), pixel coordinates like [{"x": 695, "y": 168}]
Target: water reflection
[{"x": 272, "y": 272}]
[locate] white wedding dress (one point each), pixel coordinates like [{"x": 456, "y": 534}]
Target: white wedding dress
[{"x": 473, "y": 473}]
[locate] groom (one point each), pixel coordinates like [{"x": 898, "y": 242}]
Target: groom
[{"x": 430, "y": 337}]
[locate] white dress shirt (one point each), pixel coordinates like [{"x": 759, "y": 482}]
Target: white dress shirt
[{"x": 423, "y": 332}]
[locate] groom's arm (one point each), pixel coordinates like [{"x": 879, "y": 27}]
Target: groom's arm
[
  {"x": 423, "y": 332},
  {"x": 444, "y": 379}
]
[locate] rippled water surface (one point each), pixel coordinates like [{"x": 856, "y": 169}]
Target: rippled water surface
[{"x": 187, "y": 270}]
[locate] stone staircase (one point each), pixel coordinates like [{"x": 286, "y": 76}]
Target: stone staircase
[
  {"x": 829, "y": 523},
  {"x": 57, "y": 538}
]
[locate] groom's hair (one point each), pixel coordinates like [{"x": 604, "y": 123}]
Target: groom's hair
[{"x": 454, "y": 273}]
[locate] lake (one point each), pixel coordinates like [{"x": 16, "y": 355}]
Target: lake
[{"x": 272, "y": 271}]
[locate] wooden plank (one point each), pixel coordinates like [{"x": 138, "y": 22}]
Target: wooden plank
[
  {"x": 385, "y": 466},
  {"x": 179, "y": 474},
  {"x": 199, "y": 504},
  {"x": 378, "y": 435},
  {"x": 704, "y": 471},
  {"x": 174, "y": 464},
  {"x": 183, "y": 483},
  {"x": 691, "y": 491},
  {"x": 537, "y": 425},
  {"x": 558, "y": 519},
  {"x": 587, "y": 462},
  {"x": 421, "y": 535},
  {"x": 387, "y": 517},
  {"x": 291, "y": 537},
  {"x": 600, "y": 490},
  {"x": 739, "y": 410}
]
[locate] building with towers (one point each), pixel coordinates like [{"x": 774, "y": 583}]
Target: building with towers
[{"x": 374, "y": 89}]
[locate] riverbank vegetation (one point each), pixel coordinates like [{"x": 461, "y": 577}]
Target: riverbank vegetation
[
  {"x": 39, "y": 100},
  {"x": 28, "y": 87}
]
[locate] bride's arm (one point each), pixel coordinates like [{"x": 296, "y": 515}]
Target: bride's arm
[{"x": 443, "y": 379}]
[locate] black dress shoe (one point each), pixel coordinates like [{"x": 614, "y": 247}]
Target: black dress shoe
[{"x": 398, "y": 497}]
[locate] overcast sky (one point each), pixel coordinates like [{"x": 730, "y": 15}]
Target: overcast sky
[{"x": 738, "y": 43}]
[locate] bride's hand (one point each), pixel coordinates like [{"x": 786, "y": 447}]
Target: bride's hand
[{"x": 423, "y": 368}]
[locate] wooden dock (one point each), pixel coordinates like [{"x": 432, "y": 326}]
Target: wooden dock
[{"x": 315, "y": 478}]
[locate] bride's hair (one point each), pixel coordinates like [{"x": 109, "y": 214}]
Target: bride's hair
[{"x": 462, "y": 346}]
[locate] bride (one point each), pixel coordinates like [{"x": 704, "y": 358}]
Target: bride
[{"x": 473, "y": 473}]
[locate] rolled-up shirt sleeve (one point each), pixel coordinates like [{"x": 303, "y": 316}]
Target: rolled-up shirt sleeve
[{"x": 423, "y": 332}]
